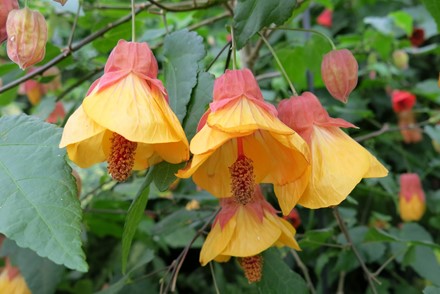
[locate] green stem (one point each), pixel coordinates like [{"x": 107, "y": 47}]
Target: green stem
[
  {"x": 234, "y": 50},
  {"x": 310, "y": 31},
  {"x": 283, "y": 71},
  {"x": 133, "y": 26}
]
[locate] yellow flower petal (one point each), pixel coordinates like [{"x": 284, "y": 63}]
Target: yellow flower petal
[
  {"x": 289, "y": 194},
  {"x": 79, "y": 127},
  {"x": 411, "y": 210},
  {"x": 216, "y": 242},
  {"x": 135, "y": 111},
  {"x": 338, "y": 164},
  {"x": 87, "y": 152},
  {"x": 251, "y": 236},
  {"x": 244, "y": 116},
  {"x": 287, "y": 233}
]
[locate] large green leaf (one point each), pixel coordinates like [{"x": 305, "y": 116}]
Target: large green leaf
[
  {"x": 182, "y": 51},
  {"x": 201, "y": 96},
  {"x": 278, "y": 277},
  {"x": 134, "y": 217},
  {"x": 42, "y": 275},
  {"x": 164, "y": 174},
  {"x": 433, "y": 6},
  {"x": 38, "y": 204},
  {"x": 252, "y": 15}
]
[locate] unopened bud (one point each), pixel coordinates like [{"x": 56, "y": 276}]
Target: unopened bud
[
  {"x": 27, "y": 37},
  {"x": 400, "y": 59},
  {"x": 5, "y": 7},
  {"x": 339, "y": 71}
]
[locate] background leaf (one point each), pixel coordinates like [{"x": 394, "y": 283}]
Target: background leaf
[
  {"x": 182, "y": 52},
  {"x": 433, "y": 6},
  {"x": 38, "y": 205},
  {"x": 250, "y": 16}
]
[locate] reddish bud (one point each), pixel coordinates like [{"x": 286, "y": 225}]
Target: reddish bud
[
  {"x": 57, "y": 114},
  {"x": 339, "y": 71},
  {"x": 411, "y": 197},
  {"x": 27, "y": 37},
  {"x": 62, "y": 2},
  {"x": 417, "y": 37},
  {"x": 400, "y": 59},
  {"x": 293, "y": 218},
  {"x": 402, "y": 100},
  {"x": 325, "y": 18},
  {"x": 5, "y": 7}
]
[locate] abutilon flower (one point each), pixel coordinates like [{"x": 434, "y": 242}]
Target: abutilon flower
[
  {"x": 411, "y": 197},
  {"x": 245, "y": 227},
  {"x": 125, "y": 118},
  {"x": 403, "y": 102},
  {"x": 241, "y": 141},
  {"x": 5, "y": 7},
  {"x": 339, "y": 70},
  {"x": 11, "y": 281},
  {"x": 325, "y": 18},
  {"x": 417, "y": 37},
  {"x": 27, "y": 37},
  {"x": 338, "y": 162}
]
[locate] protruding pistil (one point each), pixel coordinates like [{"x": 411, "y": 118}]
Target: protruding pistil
[
  {"x": 121, "y": 158},
  {"x": 252, "y": 267},
  {"x": 242, "y": 180}
]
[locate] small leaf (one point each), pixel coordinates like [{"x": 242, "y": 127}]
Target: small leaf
[
  {"x": 41, "y": 275},
  {"x": 403, "y": 20},
  {"x": 164, "y": 174},
  {"x": 252, "y": 15},
  {"x": 134, "y": 216},
  {"x": 278, "y": 277},
  {"x": 433, "y": 132},
  {"x": 182, "y": 51},
  {"x": 38, "y": 204},
  {"x": 201, "y": 96}
]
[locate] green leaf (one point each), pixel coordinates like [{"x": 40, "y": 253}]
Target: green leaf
[
  {"x": 134, "y": 217},
  {"x": 278, "y": 277},
  {"x": 433, "y": 132},
  {"x": 41, "y": 275},
  {"x": 403, "y": 20},
  {"x": 431, "y": 290},
  {"x": 201, "y": 96},
  {"x": 182, "y": 51},
  {"x": 433, "y": 6},
  {"x": 164, "y": 174},
  {"x": 8, "y": 96},
  {"x": 252, "y": 15},
  {"x": 377, "y": 235},
  {"x": 38, "y": 204}
]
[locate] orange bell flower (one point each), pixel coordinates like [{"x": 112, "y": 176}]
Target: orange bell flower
[
  {"x": 241, "y": 141},
  {"x": 5, "y": 7},
  {"x": 125, "y": 118},
  {"x": 338, "y": 162},
  {"x": 11, "y": 281},
  {"x": 411, "y": 197}
]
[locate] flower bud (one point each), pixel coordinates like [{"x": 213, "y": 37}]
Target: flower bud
[
  {"x": 325, "y": 18},
  {"x": 417, "y": 37},
  {"x": 339, "y": 71},
  {"x": 5, "y": 7},
  {"x": 402, "y": 100},
  {"x": 400, "y": 59},
  {"x": 27, "y": 37},
  {"x": 412, "y": 201},
  {"x": 57, "y": 114}
]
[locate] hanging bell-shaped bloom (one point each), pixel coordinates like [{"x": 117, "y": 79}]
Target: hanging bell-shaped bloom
[
  {"x": 27, "y": 37},
  {"x": 402, "y": 100},
  {"x": 403, "y": 103},
  {"x": 338, "y": 162},
  {"x": 246, "y": 230},
  {"x": 241, "y": 141},
  {"x": 339, "y": 71},
  {"x": 411, "y": 197},
  {"x": 5, "y": 7},
  {"x": 125, "y": 118}
]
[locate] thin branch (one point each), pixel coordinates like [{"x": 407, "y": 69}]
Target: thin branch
[
  {"x": 305, "y": 271},
  {"x": 211, "y": 267},
  {"x": 341, "y": 281},
  {"x": 371, "y": 278},
  {"x": 79, "y": 82},
  {"x": 67, "y": 51},
  {"x": 268, "y": 75},
  {"x": 218, "y": 55},
  {"x": 387, "y": 129},
  {"x": 208, "y": 21},
  {"x": 75, "y": 22},
  {"x": 384, "y": 265},
  {"x": 182, "y": 8}
]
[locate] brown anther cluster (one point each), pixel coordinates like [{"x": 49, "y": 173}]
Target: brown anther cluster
[
  {"x": 242, "y": 180},
  {"x": 252, "y": 267},
  {"x": 121, "y": 157}
]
